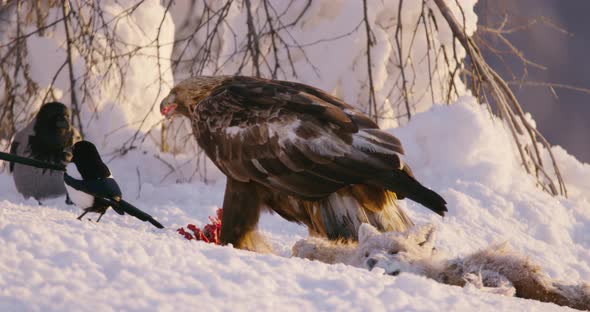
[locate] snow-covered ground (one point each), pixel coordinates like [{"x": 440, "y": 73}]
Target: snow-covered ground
[{"x": 51, "y": 261}]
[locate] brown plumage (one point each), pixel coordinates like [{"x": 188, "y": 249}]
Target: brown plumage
[{"x": 299, "y": 151}]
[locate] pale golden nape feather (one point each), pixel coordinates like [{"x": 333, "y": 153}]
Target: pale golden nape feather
[{"x": 190, "y": 92}]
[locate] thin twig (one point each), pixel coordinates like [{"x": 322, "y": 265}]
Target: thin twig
[
  {"x": 73, "y": 98},
  {"x": 370, "y": 43}
]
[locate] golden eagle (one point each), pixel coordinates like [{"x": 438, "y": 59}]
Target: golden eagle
[{"x": 300, "y": 152}]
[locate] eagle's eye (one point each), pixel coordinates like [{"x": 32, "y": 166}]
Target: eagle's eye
[{"x": 172, "y": 98}]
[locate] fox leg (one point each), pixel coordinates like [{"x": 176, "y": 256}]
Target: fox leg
[{"x": 490, "y": 282}]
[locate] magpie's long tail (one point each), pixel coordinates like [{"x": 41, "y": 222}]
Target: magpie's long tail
[
  {"x": 31, "y": 162},
  {"x": 136, "y": 212},
  {"x": 405, "y": 185}
]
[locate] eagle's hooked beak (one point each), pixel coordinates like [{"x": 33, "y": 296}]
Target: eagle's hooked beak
[{"x": 167, "y": 106}]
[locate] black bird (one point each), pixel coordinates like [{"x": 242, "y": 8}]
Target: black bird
[
  {"x": 96, "y": 190},
  {"x": 44, "y": 139}
]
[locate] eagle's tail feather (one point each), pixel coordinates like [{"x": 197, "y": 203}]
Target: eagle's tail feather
[{"x": 404, "y": 185}]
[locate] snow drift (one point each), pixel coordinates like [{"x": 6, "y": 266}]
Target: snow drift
[{"x": 51, "y": 261}]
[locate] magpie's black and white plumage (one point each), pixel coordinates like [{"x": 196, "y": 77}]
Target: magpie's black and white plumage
[
  {"x": 91, "y": 186},
  {"x": 44, "y": 139}
]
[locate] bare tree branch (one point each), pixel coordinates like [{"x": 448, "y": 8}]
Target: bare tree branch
[
  {"x": 370, "y": 43},
  {"x": 76, "y": 119},
  {"x": 509, "y": 107}
]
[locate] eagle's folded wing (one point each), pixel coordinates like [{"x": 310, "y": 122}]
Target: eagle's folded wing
[{"x": 292, "y": 137}]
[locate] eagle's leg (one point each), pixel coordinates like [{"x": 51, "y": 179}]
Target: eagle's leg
[{"x": 241, "y": 211}]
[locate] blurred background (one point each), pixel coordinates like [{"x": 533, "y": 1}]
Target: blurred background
[{"x": 564, "y": 116}]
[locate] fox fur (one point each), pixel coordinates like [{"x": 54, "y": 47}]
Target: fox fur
[{"x": 496, "y": 269}]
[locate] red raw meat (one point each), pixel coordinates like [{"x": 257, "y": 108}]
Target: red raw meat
[{"x": 209, "y": 234}]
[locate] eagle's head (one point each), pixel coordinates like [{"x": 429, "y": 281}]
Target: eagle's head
[{"x": 185, "y": 96}]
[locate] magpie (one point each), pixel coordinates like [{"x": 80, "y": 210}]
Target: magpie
[
  {"x": 91, "y": 186},
  {"x": 43, "y": 139}
]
